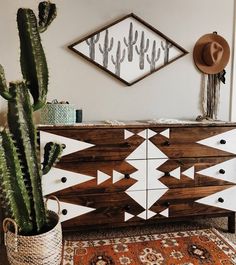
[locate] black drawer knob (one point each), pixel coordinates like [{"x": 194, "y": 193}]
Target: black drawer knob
[
  {"x": 166, "y": 143},
  {"x": 222, "y": 171},
  {"x": 221, "y": 200},
  {"x": 167, "y": 174},
  {"x": 127, "y": 207},
  {"x": 127, "y": 176},
  {"x": 167, "y": 204},
  {"x": 63, "y": 179},
  {"x": 222, "y": 141},
  {"x": 64, "y": 212}
]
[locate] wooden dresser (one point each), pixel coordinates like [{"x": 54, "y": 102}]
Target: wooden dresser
[{"x": 118, "y": 175}]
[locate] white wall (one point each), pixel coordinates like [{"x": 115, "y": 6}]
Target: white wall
[{"x": 172, "y": 92}]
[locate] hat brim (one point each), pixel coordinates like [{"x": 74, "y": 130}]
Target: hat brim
[{"x": 198, "y": 49}]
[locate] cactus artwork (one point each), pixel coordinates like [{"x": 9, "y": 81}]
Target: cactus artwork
[
  {"x": 132, "y": 38},
  {"x": 20, "y": 167},
  {"x": 142, "y": 43},
  {"x": 119, "y": 59},
  {"x": 91, "y": 43},
  {"x": 142, "y": 50},
  {"x": 106, "y": 48},
  {"x": 155, "y": 55},
  {"x": 166, "y": 48}
]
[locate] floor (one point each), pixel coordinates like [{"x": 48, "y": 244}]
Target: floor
[{"x": 219, "y": 223}]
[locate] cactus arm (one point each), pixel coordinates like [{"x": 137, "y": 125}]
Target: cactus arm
[
  {"x": 123, "y": 56},
  {"x": 12, "y": 183},
  {"x": 96, "y": 38},
  {"x": 52, "y": 151},
  {"x": 100, "y": 48},
  {"x": 147, "y": 46},
  {"x": 4, "y": 91},
  {"x": 136, "y": 48},
  {"x": 21, "y": 124},
  {"x": 113, "y": 60},
  {"x": 47, "y": 13},
  {"x": 111, "y": 45},
  {"x": 32, "y": 57}
]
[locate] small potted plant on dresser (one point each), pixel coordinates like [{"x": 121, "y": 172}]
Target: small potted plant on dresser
[{"x": 32, "y": 233}]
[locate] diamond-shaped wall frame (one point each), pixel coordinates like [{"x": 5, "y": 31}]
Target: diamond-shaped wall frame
[{"x": 129, "y": 49}]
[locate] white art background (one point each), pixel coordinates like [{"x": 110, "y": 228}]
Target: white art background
[{"x": 129, "y": 71}]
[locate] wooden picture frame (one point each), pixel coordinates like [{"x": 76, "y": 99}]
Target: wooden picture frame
[{"x": 129, "y": 49}]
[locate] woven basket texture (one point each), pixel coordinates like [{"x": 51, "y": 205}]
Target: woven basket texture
[
  {"x": 43, "y": 249},
  {"x": 58, "y": 114}
]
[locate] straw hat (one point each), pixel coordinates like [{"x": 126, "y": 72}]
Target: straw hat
[{"x": 211, "y": 53}]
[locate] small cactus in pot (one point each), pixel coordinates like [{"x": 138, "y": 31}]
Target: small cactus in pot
[{"x": 20, "y": 166}]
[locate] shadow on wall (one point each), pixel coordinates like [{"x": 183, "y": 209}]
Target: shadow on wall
[{"x": 3, "y": 118}]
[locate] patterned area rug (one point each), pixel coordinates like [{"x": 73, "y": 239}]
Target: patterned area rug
[{"x": 196, "y": 247}]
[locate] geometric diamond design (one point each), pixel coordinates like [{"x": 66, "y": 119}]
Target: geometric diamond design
[{"x": 128, "y": 49}]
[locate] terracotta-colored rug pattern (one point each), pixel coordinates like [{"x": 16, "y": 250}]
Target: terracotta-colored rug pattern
[{"x": 197, "y": 247}]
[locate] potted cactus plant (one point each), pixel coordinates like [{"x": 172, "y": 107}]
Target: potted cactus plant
[{"x": 20, "y": 166}]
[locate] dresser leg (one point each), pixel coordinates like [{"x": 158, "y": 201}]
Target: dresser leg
[{"x": 231, "y": 223}]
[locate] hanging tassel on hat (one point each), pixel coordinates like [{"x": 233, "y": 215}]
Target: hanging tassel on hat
[{"x": 210, "y": 95}]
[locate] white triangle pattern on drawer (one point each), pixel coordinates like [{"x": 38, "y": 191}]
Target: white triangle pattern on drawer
[
  {"x": 139, "y": 153},
  {"x": 150, "y": 214},
  {"x": 102, "y": 177},
  {"x": 189, "y": 172},
  {"x": 128, "y": 216},
  {"x": 166, "y": 133},
  {"x": 71, "y": 144},
  {"x": 139, "y": 175},
  {"x": 175, "y": 173},
  {"x": 165, "y": 212},
  {"x": 139, "y": 196},
  {"x": 214, "y": 141},
  {"x": 154, "y": 195},
  {"x": 154, "y": 152},
  {"x": 116, "y": 176},
  {"x": 128, "y": 134},
  {"x": 150, "y": 133},
  {"x": 73, "y": 210},
  {"x": 228, "y": 196},
  {"x": 154, "y": 174},
  {"x": 143, "y": 215},
  {"x": 51, "y": 182},
  {"x": 143, "y": 134},
  {"x": 228, "y": 167}
]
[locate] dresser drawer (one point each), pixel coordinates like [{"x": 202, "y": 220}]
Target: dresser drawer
[
  {"x": 195, "y": 172},
  {"x": 196, "y": 141},
  {"x": 120, "y": 144},
  {"x": 94, "y": 144},
  {"x": 116, "y": 176},
  {"x": 119, "y": 207},
  {"x": 89, "y": 177}
]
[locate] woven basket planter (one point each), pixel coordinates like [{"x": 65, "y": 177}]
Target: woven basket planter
[
  {"x": 58, "y": 114},
  {"x": 43, "y": 249}
]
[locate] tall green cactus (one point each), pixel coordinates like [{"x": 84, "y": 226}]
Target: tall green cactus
[{"x": 20, "y": 168}]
